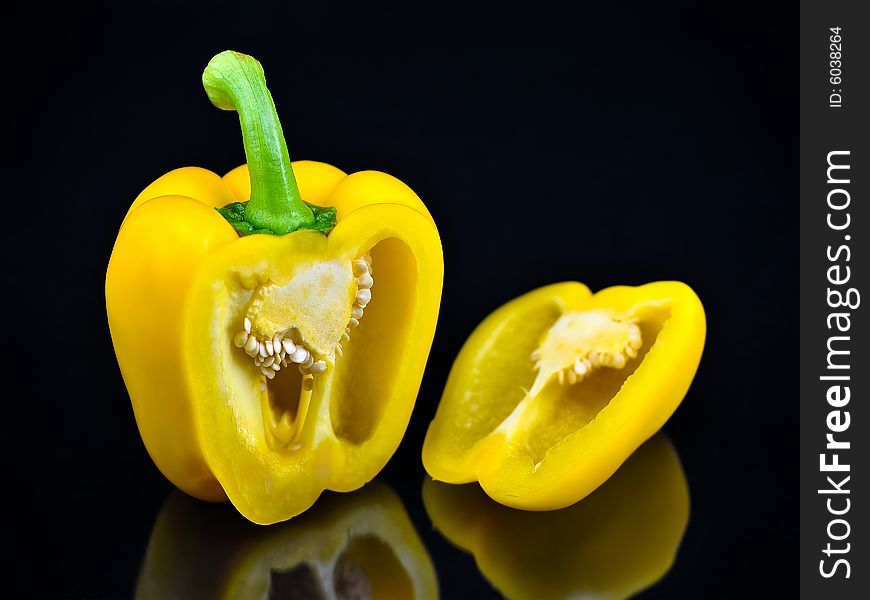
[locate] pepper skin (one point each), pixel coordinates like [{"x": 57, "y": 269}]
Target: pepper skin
[
  {"x": 555, "y": 389},
  {"x": 615, "y": 543},
  {"x": 253, "y": 373},
  {"x": 349, "y": 546}
]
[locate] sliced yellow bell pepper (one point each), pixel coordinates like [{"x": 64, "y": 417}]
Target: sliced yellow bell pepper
[
  {"x": 555, "y": 389},
  {"x": 359, "y": 545},
  {"x": 615, "y": 543},
  {"x": 268, "y": 367}
]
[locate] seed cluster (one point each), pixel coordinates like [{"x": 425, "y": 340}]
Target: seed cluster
[
  {"x": 271, "y": 355},
  {"x": 362, "y": 271},
  {"x": 594, "y": 359}
]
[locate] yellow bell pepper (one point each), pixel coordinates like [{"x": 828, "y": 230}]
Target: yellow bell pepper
[
  {"x": 555, "y": 389},
  {"x": 268, "y": 367},
  {"x": 359, "y": 545},
  {"x": 615, "y": 543}
]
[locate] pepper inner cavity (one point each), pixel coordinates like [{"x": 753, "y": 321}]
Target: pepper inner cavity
[
  {"x": 543, "y": 421},
  {"x": 302, "y": 321},
  {"x": 581, "y": 342}
]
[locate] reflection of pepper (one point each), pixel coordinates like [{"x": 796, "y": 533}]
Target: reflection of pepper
[
  {"x": 359, "y": 545},
  {"x": 267, "y": 368},
  {"x": 616, "y": 542},
  {"x": 555, "y": 389}
]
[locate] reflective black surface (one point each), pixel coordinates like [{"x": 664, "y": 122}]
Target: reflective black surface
[
  {"x": 352, "y": 546},
  {"x": 653, "y": 143}
]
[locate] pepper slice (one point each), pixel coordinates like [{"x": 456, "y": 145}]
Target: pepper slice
[
  {"x": 268, "y": 367},
  {"x": 555, "y": 389},
  {"x": 359, "y": 545},
  {"x": 615, "y": 543}
]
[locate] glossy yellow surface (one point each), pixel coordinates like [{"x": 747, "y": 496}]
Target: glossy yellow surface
[
  {"x": 172, "y": 288},
  {"x": 359, "y": 545},
  {"x": 547, "y": 450},
  {"x": 615, "y": 543}
]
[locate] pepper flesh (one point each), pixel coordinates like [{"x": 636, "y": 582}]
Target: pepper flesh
[
  {"x": 172, "y": 288},
  {"x": 615, "y": 543},
  {"x": 542, "y": 445}
]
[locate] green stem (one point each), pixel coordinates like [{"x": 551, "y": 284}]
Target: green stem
[{"x": 235, "y": 81}]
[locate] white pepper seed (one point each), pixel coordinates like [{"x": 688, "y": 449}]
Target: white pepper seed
[
  {"x": 300, "y": 355},
  {"x": 240, "y": 339},
  {"x": 360, "y": 267}
]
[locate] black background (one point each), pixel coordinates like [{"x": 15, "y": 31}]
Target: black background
[{"x": 613, "y": 145}]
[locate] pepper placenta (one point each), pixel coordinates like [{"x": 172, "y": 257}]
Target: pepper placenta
[
  {"x": 272, "y": 326},
  {"x": 555, "y": 389},
  {"x": 359, "y": 545},
  {"x": 615, "y": 543}
]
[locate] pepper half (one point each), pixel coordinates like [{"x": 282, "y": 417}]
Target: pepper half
[
  {"x": 268, "y": 367},
  {"x": 615, "y": 543},
  {"x": 555, "y": 389},
  {"x": 359, "y": 545}
]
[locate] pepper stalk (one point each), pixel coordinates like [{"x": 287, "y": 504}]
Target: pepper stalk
[{"x": 235, "y": 81}]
